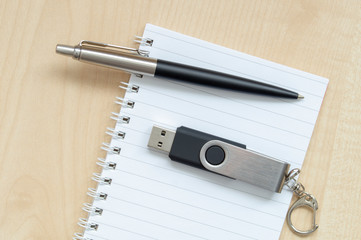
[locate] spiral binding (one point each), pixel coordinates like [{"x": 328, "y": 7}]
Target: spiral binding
[
  {"x": 111, "y": 149},
  {"x": 83, "y": 222},
  {"x": 125, "y": 103},
  {"x": 89, "y": 208},
  {"x": 92, "y": 209},
  {"x": 143, "y": 41},
  {"x": 105, "y": 164},
  {"x": 115, "y": 134},
  {"x": 129, "y": 88},
  {"x": 92, "y": 192},
  {"x": 101, "y": 180},
  {"x": 80, "y": 236},
  {"x": 120, "y": 118}
]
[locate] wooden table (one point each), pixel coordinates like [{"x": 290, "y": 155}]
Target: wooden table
[{"x": 53, "y": 111}]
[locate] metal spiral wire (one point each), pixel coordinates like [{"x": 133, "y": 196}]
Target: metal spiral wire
[
  {"x": 83, "y": 222},
  {"x": 143, "y": 41},
  {"x": 125, "y": 103},
  {"x": 128, "y": 87},
  {"x": 90, "y": 208},
  {"x": 92, "y": 192},
  {"x": 115, "y": 134},
  {"x": 120, "y": 118},
  {"x": 80, "y": 236},
  {"x": 106, "y": 165}
]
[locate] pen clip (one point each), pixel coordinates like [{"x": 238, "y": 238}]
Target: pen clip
[{"x": 105, "y": 45}]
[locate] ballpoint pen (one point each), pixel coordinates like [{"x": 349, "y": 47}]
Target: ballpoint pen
[{"x": 137, "y": 62}]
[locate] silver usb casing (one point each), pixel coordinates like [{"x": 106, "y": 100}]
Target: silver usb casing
[{"x": 248, "y": 166}]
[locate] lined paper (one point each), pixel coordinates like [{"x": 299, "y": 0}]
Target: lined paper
[{"x": 152, "y": 197}]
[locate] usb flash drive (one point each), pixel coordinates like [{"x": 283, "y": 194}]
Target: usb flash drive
[{"x": 219, "y": 155}]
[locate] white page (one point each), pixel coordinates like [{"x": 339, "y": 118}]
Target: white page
[{"x": 152, "y": 197}]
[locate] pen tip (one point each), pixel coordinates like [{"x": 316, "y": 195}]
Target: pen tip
[{"x": 300, "y": 96}]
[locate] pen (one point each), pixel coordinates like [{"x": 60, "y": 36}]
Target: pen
[{"x": 137, "y": 62}]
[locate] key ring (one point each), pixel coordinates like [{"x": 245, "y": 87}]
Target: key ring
[{"x": 305, "y": 200}]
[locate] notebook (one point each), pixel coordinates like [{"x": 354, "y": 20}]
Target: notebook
[{"x": 142, "y": 194}]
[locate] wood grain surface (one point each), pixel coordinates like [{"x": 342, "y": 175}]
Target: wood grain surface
[{"x": 54, "y": 111}]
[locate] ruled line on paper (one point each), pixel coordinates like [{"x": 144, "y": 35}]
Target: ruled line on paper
[
  {"x": 194, "y": 177},
  {"x": 93, "y": 235},
  {"x": 222, "y": 112},
  {"x": 192, "y": 220},
  {"x": 222, "y": 97},
  {"x": 194, "y": 192},
  {"x": 215, "y": 183},
  {"x": 152, "y": 223},
  {"x": 122, "y": 229},
  {"x": 199, "y": 207},
  {"x": 222, "y": 126},
  {"x": 235, "y": 130}
]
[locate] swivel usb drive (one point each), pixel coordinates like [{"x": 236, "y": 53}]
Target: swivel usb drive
[
  {"x": 221, "y": 156},
  {"x": 232, "y": 159}
]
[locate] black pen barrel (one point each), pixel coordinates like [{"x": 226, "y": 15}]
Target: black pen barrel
[{"x": 202, "y": 76}]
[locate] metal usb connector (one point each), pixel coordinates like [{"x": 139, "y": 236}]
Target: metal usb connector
[{"x": 161, "y": 139}]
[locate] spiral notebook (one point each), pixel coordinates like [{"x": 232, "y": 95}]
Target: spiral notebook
[{"x": 142, "y": 194}]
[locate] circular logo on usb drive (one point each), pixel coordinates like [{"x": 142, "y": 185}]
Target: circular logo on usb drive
[{"x": 215, "y": 155}]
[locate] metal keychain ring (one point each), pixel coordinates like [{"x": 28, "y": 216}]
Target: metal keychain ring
[{"x": 307, "y": 200}]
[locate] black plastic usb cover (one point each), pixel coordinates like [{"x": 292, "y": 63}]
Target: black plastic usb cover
[{"x": 187, "y": 145}]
